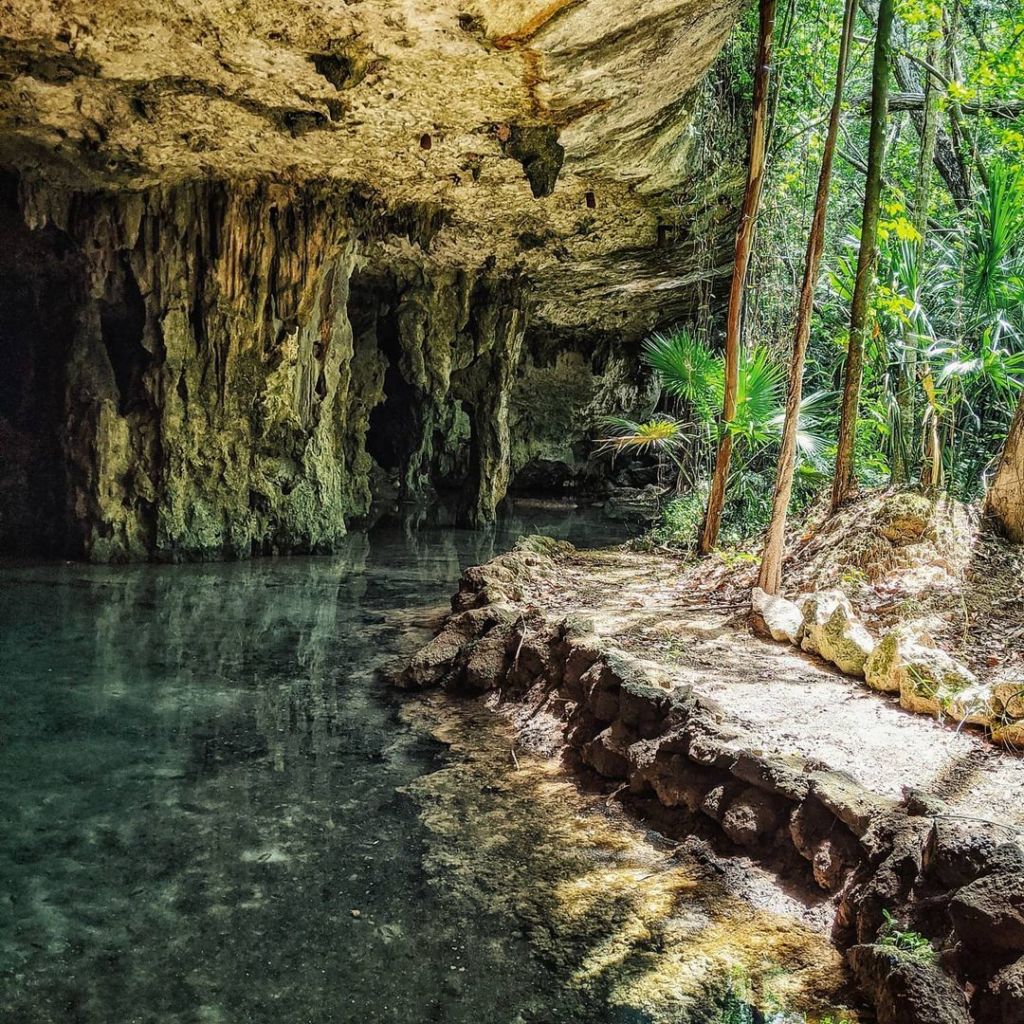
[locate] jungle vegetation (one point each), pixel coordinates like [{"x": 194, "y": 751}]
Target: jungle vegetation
[{"x": 874, "y": 333}]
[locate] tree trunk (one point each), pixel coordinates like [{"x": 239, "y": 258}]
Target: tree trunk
[
  {"x": 744, "y": 240},
  {"x": 901, "y": 466},
  {"x": 770, "y": 576},
  {"x": 1005, "y": 499},
  {"x": 844, "y": 478},
  {"x": 947, "y": 159}
]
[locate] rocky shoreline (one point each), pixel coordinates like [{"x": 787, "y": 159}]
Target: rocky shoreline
[{"x": 900, "y": 871}]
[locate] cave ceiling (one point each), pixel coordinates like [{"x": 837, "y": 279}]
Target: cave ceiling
[{"x": 559, "y": 138}]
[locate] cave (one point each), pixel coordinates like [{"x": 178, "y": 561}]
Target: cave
[
  {"x": 396, "y": 422},
  {"x": 389, "y": 625},
  {"x": 38, "y": 321}
]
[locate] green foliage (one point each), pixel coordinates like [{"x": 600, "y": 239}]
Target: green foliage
[
  {"x": 947, "y": 318},
  {"x": 944, "y": 356},
  {"x": 680, "y": 520},
  {"x": 692, "y": 376},
  {"x": 911, "y": 944},
  {"x": 658, "y": 434}
]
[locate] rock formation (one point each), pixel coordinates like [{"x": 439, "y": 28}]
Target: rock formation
[
  {"x": 264, "y": 263},
  {"x": 929, "y": 900}
]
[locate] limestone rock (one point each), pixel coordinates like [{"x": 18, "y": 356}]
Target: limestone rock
[
  {"x": 607, "y": 753},
  {"x": 905, "y": 990},
  {"x": 1001, "y": 1001},
  {"x": 1008, "y": 699},
  {"x": 857, "y": 807},
  {"x": 1009, "y": 734},
  {"x": 432, "y": 664},
  {"x": 488, "y": 659},
  {"x": 957, "y": 853},
  {"x": 831, "y": 630},
  {"x": 927, "y": 679},
  {"x": 933, "y": 683},
  {"x": 988, "y": 914},
  {"x": 782, "y": 618},
  {"x": 482, "y": 110},
  {"x": 906, "y": 517},
  {"x": 882, "y": 669},
  {"x": 834, "y": 858},
  {"x": 752, "y": 817}
]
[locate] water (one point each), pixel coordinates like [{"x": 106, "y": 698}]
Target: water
[
  {"x": 201, "y": 782},
  {"x": 213, "y": 812}
]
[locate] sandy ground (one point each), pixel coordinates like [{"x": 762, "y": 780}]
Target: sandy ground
[{"x": 659, "y": 608}]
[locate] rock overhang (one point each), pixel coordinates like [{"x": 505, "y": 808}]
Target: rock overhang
[{"x": 560, "y": 140}]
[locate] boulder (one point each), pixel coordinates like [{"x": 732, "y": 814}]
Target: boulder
[
  {"x": 1008, "y": 699},
  {"x": 1001, "y": 1001},
  {"x": 607, "y": 753},
  {"x": 927, "y": 679},
  {"x": 988, "y": 914},
  {"x": 834, "y": 858},
  {"x": 782, "y": 618},
  {"x": 933, "y": 683},
  {"x": 854, "y": 805},
  {"x": 882, "y": 669},
  {"x": 753, "y": 816},
  {"x": 1008, "y": 712},
  {"x": 1009, "y": 734},
  {"x": 906, "y": 518},
  {"x": 831, "y": 630},
  {"x": 677, "y": 783},
  {"x": 956, "y": 853},
  {"x": 435, "y": 661},
  {"x": 905, "y": 989},
  {"x": 488, "y": 660}
]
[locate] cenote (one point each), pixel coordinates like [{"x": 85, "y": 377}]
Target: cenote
[{"x": 215, "y": 811}]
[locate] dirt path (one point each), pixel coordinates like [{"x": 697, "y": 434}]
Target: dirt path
[{"x": 649, "y": 605}]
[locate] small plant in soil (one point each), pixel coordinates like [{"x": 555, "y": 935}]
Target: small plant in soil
[{"x": 908, "y": 943}]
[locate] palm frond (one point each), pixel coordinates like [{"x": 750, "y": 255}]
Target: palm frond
[{"x": 661, "y": 433}]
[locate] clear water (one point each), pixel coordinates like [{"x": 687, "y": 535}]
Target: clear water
[
  {"x": 213, "y": 811},
  {"x": 201, "y": 780}
]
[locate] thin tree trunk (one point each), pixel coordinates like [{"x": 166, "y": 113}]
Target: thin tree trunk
[
  {"x": 922, "y": 200},
  {"x": 744, "y": 241},
  {"x": 947, "y": 159},
  {"x": 770, "y": 576},
  {"x": 1005, "y": 499},
  {"x": 844, "y": 481}
]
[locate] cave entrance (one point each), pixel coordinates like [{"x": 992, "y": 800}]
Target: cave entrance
[
  {"x": 396, "y": 424},
  {"x": 42, "y": 285},
  {"x": 122, "y": 327}
]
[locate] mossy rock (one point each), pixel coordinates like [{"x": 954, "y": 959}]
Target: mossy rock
[{"x": 906, "y": 518}]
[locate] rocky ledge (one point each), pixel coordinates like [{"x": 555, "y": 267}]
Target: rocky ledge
[
  {"x": 929, "y": 902},
  {"x": 266, "y": 264}
]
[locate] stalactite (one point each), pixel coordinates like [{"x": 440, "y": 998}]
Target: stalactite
[{"x": 216, "y": 403}]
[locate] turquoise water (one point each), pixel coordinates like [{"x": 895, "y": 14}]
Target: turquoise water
[{"x": 202, "y": 816}]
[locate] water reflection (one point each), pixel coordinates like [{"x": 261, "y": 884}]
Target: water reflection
[{"x": 201, "y": 794}]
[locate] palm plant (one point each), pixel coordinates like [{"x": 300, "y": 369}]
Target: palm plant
[
  {"x": 692, "y": 376},
  {"x": 995, "y": 266},
  {"x": 960, "y": 328}
]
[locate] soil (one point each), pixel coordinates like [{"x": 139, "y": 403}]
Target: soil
[{"x": 688, "y": 621}]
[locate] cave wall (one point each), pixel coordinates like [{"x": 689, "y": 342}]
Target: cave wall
[
  {"x": 563, "y": 391},
  {"x": 207, "y": 368},
  {"x": 263, "y": 269}
]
